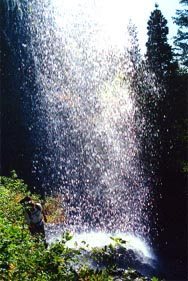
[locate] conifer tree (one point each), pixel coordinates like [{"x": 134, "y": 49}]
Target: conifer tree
[
  {"x": 160, "y": 61},
  {"x": 159, "y": 53},
  {"x": 181, "y": 40}
]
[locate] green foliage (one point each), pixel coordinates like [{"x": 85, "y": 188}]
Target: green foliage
[
  {"x": 154, "y": 279},
  {"x": 132, "y": 274},
  {"x": 54, "y": 209},
  {"x": 23, "y": 257},
  {"x": 159, "y": 53},
  {"x": 170, "y": 110},
  {"x": 105, "y": 256},
  {"x": 184, "y": 166},
  {"x": 88, "y": 274},
  {"x": 181, "y": 38},
  {"x": 108, "y": 254},
  {"x": 118, "y": 241}
]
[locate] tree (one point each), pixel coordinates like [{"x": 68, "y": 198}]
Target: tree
[
  {"x": 181, "y": 39},
  {"x": 17, "y": 85},
  {"x": 145, "y": 94},
  {"x": 169, "y": 113},
  {"x": 159, "y": 53}
]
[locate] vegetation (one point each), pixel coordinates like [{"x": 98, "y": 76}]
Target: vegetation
[
  {"x": 171, "y": 121},
  {"x": 22, "y": 257},
  {"x": 181, "y": 39},
  {"x": 159, "y": 53},
  {"x": 171, "y": 111}
]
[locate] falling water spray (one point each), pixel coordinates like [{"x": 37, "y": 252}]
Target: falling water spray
[{"x": 86, "y": 133}]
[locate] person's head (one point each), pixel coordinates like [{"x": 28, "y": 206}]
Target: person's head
[
  {"x": 30, "y": 205},
  {"x": 26, "y": 201}
]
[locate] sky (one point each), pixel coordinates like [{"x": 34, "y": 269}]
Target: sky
[
  {"x": 168, "y": 9},
  {"x": 112, "y": 17}
]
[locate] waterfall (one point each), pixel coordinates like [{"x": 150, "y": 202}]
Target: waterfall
[{"x": 85, "y": 135}]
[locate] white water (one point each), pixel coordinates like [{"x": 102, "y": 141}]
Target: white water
[
  {"x": 87, "y": 149},
  {"x": 91, "y": 240}
]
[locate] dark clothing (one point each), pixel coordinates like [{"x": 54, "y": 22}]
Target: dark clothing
[
  {"x": 37, "y": 228},
  {"x": 35, "y": 217}
]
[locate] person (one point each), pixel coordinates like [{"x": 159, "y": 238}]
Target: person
[{"x": 34, "y": 216}]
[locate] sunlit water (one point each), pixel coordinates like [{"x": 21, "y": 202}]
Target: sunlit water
[
  {"x": 132, "y": 252},
  {"x": 85, "y": 135},
  {"x": 90, "y": 240}
]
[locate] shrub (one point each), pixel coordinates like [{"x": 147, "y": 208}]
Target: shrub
[{"x": 23, "y": 257}]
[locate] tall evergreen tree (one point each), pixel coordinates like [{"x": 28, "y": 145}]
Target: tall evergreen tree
[
  {"x": 168, "y": 113},
  {"x": 159, "y": 53},
  {"x": 181, "y": 40},
  {"x": 146, "y": 97},
  {"x": 160, "y": 60}
]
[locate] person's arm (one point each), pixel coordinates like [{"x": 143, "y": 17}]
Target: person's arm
[
  {"x": 39, "y": 207},
  {"x": 44, "y": 216}
]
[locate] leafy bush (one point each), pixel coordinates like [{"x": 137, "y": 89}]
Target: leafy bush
[{"x": 23, "y": 257}]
